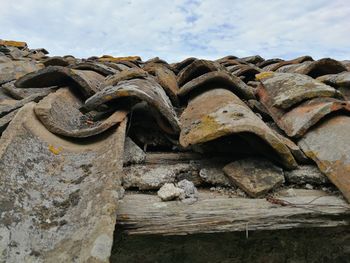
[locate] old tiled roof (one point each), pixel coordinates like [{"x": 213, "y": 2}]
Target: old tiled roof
[{"x": 75, "y": 133}]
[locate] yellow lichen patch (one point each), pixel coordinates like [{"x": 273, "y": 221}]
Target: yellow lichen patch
[
  {"x": 208, "y": 129},
  {"x": 264, "y": 75},
  {"x": 108, "y": 97},
  {"x": 55, "y": 150},
  {"x": 107, "y": 58},
  {"x": 12, "y": 43}
]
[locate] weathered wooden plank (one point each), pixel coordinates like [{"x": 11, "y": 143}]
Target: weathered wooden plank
[
  {"x": 170, "y": 157},
  {"x": 146, "y": 214}
]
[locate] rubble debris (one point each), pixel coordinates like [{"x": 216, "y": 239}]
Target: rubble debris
[
  {"x": 190, "y": 191},
  {"x": 254, "y": 176},
  {"x": 169, "y": 192},
  {"x": 133, "y": 154},
  {"x": 214, "y": 176},
  {"x": 148, "y": 177},
  {"x": 306, "y": 174}
]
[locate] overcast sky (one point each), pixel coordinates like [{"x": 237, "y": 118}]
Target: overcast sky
[{"x": 174, "y": 30}]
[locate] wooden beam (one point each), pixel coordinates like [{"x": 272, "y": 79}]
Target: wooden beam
[{"x": 213, "y": 212}]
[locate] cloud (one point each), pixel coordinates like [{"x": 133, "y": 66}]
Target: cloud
[{"x": 174, "y": 30}]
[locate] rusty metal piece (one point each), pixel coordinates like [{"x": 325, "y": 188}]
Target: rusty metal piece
[
  {"x": 59, "y": 112},
  {"x": 283, "y": 90},
  {"x": 131, "y": 73},
  {"x": 276, "y": 66},
  {"x": 100, "y": 68},
  {"x": 297, "y": 121},
  {"x": 197, "y": 68},
  {"x": 328, "y": 145},
  {"x": 13, "y": 70},
  {"x": 86, "y": 81},
  {"x": 217, "y": 113},
  {"x": 339, "y": 81},
  {"x": 140, "y": 90},
  {"x": 316, "y": 68},
  {"x": 217, "y": 79}
]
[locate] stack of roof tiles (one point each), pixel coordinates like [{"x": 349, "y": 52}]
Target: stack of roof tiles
[{"x": 64, "y": 122}]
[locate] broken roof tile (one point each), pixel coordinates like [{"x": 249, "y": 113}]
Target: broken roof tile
[
  {"x": 100, "y": 68},
  {"x": 328, "y": 145},
  {"x": 13, "y": 70},
  {"x": 340, "y": 81},
  {"x": 217, "y": 113},
  {"x": 55, "y": 189},
  {"x": 283, "y": 90},
  {"x": 11, "y": 43},
  {"x": 60, "y": 114},
  {"x": 276, "y": 66},
  {"x": 316, "y": 68},
  {"x": 130, "y": 73},
  {"x": 280, "y": 92},
  {"x": 86, "y": 81},
  {"x": 196, "y": 69},
  {"x": 255, "y": 176},
  {"x": 142, "y": 90},
  {"x": 298, "y": 120},
  {"x": 107, "y": 58},
  {"x": 217, "y": 79}
]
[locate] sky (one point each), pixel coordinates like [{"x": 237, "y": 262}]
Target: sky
[{"x": 176, "y": 29}]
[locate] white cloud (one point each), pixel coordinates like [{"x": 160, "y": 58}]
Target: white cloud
[{"x": 174, "y": 30}]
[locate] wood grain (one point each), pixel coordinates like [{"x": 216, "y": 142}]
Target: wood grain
[{"x": 214, "y": 212}]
